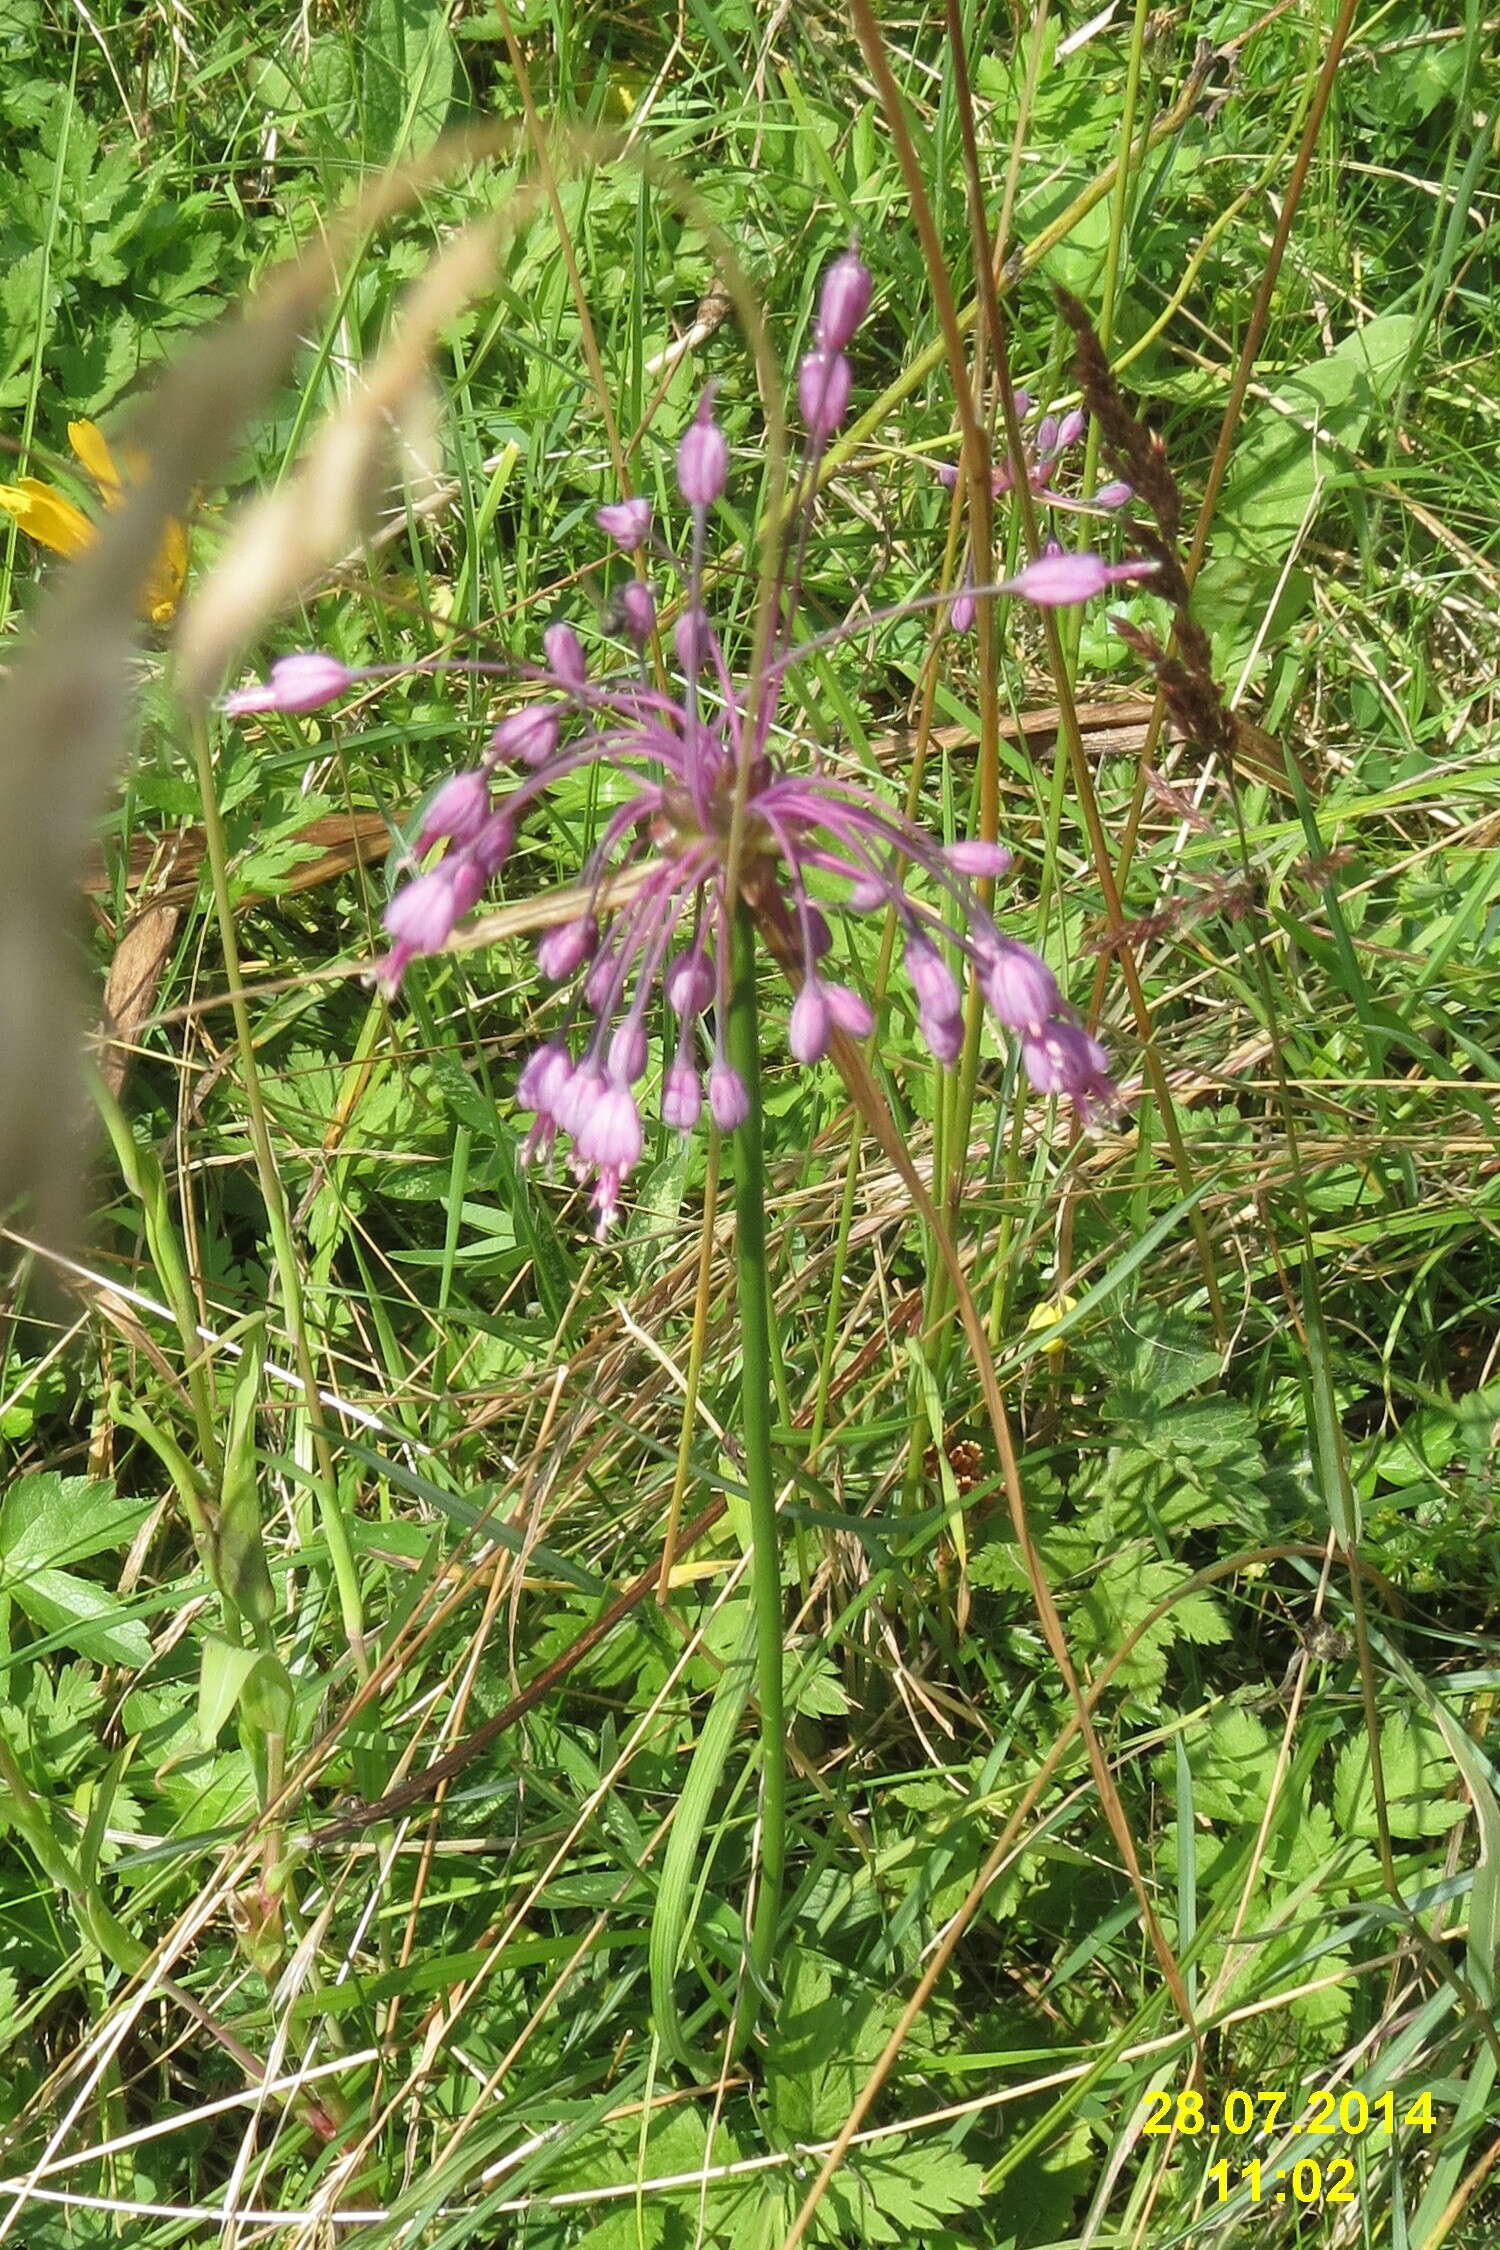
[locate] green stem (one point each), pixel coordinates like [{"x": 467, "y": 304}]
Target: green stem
[
  {"x": 289, "y": 1274},
  {"x": 755, "y": 1409}
]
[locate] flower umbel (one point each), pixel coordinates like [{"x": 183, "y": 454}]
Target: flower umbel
[{"x": 708, "y": 817}]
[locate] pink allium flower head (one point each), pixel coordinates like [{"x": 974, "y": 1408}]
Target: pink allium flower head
[
  {"x": 689, "y": 763},
  {"x": 529, "y": 734},
  {"x": 971, "y": 855},
  {"x": 681, "y": 1095},
  {"x": 807, "y": 1032},
  {"x": 565, "y": 656},
  {"x": 567, "y": 947},
  {"x": 457, "y": 811},
  {"x": 843, "y": 302},
  {"x": 627, "y": 522},
  {"x": 297, "y": 683},
  {"x": 727, "y": 1099},
  {"x": 1019, "y": 986},
  {"x": 824, "y": 382},
  {"x": 703, "y": 458},
  {"x": 638, "y": 610}
]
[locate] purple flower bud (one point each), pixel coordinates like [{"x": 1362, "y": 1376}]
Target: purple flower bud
[
  {"x": 819, "y": 935},
  {"x": 844, "y": 301},
  {"x": 971, "y": 855},
  {"x": 703, "y": 458},
  {"x": 638, "y": 610},
  {"x": 946, "y": 473},
  {"x": 824, "y": 381},
  {"x": 1115, "y": 495},
  {"x": 689, "y": 983},
  {"x": 868, "y": 894},
  {"x": 564, "y": 949},
  {"x": 1019, "y": 986},
  {"x": 962, "y": 611},
  {"x": 423, "y": 912},
  {"x": 944, "y": 1035},
  {"x": 690, "y": 639},
  {"x": 565, "y": 656},
  {"x": 458, "y": 810},
  {"x": 849, "y": 1010},
  {"x": 1070, "y": 429},
  {"x": 608, "y": 1133},
  {"x": 627, "y": 522},
  {"x": 547, "y": 1071},
  {"x": 1056, "y": 580},
  {"x": 728, "y": 1101},
  {"x": 598, "y": 985},
  {"x": 1061, "y": 1058},
  {"x": 681, "y": 1096},
  {"x": 932, "y": 980},
  {"x": 297, "y": 683},
  {"x": 491, "y": 848},
  {"x": 466, "y": 881},
  {"x": 529, "y": 734},
  {"x": 807, "y": 1032},
  {"x": 627, "y": 1052}
]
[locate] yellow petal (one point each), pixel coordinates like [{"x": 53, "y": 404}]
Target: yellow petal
[
  {"x": 92, "y": 448},
  {"x": 163, "y": 589},
  {"x": 44, "y": 515}
]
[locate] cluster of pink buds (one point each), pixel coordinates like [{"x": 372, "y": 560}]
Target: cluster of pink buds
[{"x": 651, "y": 950}]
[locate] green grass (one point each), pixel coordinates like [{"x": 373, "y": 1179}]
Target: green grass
[{"x": 340, "y": 1441}]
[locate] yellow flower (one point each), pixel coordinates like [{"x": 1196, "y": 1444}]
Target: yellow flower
[
  {"x": 52, "y": 521},
  {"x": 1045, "y": 1316}
]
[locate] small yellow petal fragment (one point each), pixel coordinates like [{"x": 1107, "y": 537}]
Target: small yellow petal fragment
[
  {"x": 45, "y": 516},
  {"x": 92, "y": 448},
  {"x": 1046, "y": 1316}
]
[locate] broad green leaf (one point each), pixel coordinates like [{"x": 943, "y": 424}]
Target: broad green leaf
[
  {"x": 47, "y": 1519},
  {"x": 86, "y": 1616}
]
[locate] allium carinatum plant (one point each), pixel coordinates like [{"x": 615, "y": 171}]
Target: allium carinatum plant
[
  {"x": 713, "y": 817},
  {"x": 712, "y": 837}
]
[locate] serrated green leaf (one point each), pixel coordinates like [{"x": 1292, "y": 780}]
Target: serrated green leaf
[
  {"x": 85, "y": 1616},
  {"x": 47, "y": 1520}
]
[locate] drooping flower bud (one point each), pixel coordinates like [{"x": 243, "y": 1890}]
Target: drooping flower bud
[
  {"x": 971, "y": 855},
  {"x": 627, "y": 1051},
  {"x": 690, "y": 640},
  {"x": 1056, "y": 580},
  {"x": 727, "y": 1098},
  {"x": 627, "y": 522},
  {"x": 297, "y": 683},
  {"x": 681, "y": 1096},
  {"x": 850, "y": 1010},
  {"x": 1019, "y": 986},
  {"x": 844, "y": 301},
  {"x": 567, "y": 947},
  {"x": 703, "y": 458},
  {"x": 807, "y": 1032},
  {"x": 638, "y": 610},
  {"x": 962, "y": 611},
  {"x": 823, "y": 385},
  {"x": 565, "y": 656},
  {"x": 529, "y": 734},
  {"x": 689, "y": 984},
  {"x": 458, "y": 810},
  {"x": 423, "y": 912}
]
